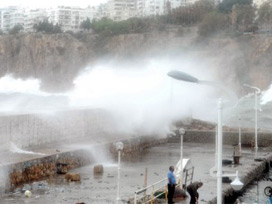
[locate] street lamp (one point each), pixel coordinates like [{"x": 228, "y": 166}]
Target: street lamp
[
  {"x": 257, "y": 91},
  {"x": 119, "y": 147},
  {"x": 188, "y": 78}
]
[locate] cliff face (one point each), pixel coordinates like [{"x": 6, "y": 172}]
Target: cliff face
[
  {"x": 237, "y": 60},
  {"x": 57, "y": 59}
]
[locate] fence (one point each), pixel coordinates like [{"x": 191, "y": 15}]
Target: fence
[{"x": 152, "y": 192}]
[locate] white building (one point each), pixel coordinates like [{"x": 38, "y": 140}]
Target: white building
[
  {"x": 70, "y": 18},
  {"x": 178, "y": 3},
  {"x": 101, "y": 11},
  {"x": 33, "y": 17},
  {"x": 150, "y": 7},
  {"x": 10, "y": 17},
  {"x": 119, "y": 10}
]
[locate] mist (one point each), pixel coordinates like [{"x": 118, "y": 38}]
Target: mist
[
  {"x": 267, "y": 96},
  {"x": 140, "y": 96},
  {"x": 24, "y": 96}
]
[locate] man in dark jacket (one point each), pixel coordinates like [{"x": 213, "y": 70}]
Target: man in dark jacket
[{"x": 192, "y": 190}]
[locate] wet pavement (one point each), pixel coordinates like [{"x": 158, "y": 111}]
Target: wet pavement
[{"x": 102, "y": 189}]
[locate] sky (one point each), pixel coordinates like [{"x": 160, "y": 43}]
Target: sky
[{"x": 49, "y": 3}]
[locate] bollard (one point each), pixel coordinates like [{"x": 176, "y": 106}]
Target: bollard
[{"x": 135, "y": 198}]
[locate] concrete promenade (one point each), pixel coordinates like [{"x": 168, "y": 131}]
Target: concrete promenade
[{"x": 102, "y": 189}]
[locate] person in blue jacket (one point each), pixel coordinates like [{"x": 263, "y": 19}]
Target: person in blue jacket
[{"x": 171, "y": 184}]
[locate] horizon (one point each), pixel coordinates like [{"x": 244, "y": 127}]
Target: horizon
[{"x": 50, "y": 3}]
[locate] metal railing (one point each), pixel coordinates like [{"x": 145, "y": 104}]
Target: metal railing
[{"x": 149, "y": 192}]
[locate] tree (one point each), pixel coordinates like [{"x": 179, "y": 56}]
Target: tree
[
  {"x": 265, "y": 14},
  {"x": 213, "y": 23},
  {"x": 244, "y": 16},
  {"x": 47, "y": 27},
  {"x": 226, "y": 5},
  {"x": 16, "y": 29},
  {"x": 86, "y": 25},
  {"x": 191, "y": 14}
]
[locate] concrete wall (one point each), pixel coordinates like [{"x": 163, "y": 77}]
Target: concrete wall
[
  {"x": 40, "y": 168},
  {"x": 38, "y": 129}
]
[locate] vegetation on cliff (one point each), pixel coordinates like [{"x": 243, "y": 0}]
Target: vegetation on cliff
[{"x": 47, "y": 27}]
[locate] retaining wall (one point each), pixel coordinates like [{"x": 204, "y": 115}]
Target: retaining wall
[
  {"x": 44, "y": 167},
  {"x": 37, "y": 129}
]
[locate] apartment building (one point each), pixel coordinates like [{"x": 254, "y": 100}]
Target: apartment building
[
  {"x": 121, "y": 9},
  {"x": 11, "y": 16},
  {"x": 70, "y": 18},
  {"x": 32, "y": 17},
  {"x": 178, "y": 3},
  {"x": 150, "y": 7},
  {"x": 101, "y": 11}
]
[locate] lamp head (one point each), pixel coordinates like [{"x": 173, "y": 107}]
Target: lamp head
[
  {"x": 257, "y": 90},
  {"x": 182, "y": 76},
  {"x": 237, "y": 184},
  {"x": 181, "y": 131},
  {"x": 119, "y": 146}
]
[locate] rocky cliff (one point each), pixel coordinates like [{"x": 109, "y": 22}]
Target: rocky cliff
[{"x": 57, "y": 59}]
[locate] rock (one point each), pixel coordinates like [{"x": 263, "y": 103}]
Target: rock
[
  {"x": 72, "y": 177},
  {"x": 27, "y": 193},
  {"x": 98, "y": 169},
  {"x": 179, "y": 193},
  {"x": 62, "y": 168}
]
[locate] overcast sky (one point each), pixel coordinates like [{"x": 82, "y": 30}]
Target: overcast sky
[{"x": 49, "y": 3}]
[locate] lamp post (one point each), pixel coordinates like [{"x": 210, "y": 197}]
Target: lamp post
[
  {"x": 119, "y": 147},
  {"x": 257, "y": 91},
  {"x": 219, "y": 151},
  {"x": 181, "y": 132},
  {"x": 188, "y": 78},
  {"x": 240, "y": 142}
]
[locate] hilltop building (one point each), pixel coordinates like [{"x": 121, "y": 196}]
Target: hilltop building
[
  {"x": 150, "y": 7},
  {"x": 32, "y": 17},
  {"x": 119, "y": 10},
  {"x": 11, "y": 16},
  {"x": 70, "y": 18}
]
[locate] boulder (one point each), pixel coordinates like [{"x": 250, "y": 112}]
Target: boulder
[
  {"x": 72, "y": 177},
  {"x": 62, "y": 168},
  {"x": 98, "y": 169}
]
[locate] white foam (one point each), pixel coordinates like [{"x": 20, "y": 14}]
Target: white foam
[{"x": 13, "y": 148}]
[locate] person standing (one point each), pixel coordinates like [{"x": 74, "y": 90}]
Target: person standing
[
  {"x": 171, "y": 184},
  {"x": 192, "y": 190}
]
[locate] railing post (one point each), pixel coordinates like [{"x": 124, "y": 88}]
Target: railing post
[
  {"x": 135, "y": 198},
  {"x": 166, "y": 191},
  {"x": 152, "y": 194}
]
